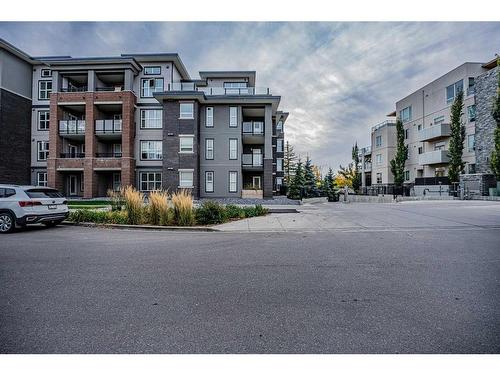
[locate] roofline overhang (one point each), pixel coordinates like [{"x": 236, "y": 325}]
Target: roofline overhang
[
  {"x": 491, "y": 64},
  {"x": 17, "y": 52},
  {"x": 157, "y": 57},
  {"x": 392, "y": 114},
  {"x": 250, "y": 74},
  {"x": 93, "y": 62}
]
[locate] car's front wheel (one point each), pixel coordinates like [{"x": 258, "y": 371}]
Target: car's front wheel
[{"x": 6, "y": 222}]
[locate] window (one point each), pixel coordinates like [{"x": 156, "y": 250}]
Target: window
[
  {"x": 152, "y": 70},
  {"x": 151, "y": 85},
  {"x": 279, "y": 126},
  {"x": 279, "y": 182},
  {"x": 150, "y": 181},
  {"x": 407, "y": 175},
  {"x": 420, "y": 150},
  {"x": 471, "y": 112},
  {"x": 279, "y": 145},
  {"x": 419, "y": 127},
  {"x": 151, "y": 118},
  {"x": 186, "y": 143},
  {"x": 405, "y": 114},
  {"x": 233, "y": 117},
  {"x": 151, "y": 150},
  {"x": 453, "y": 90},
  {"x": 46, "y": 73},
  {"x": 43, "y": 150},
  {"x": 439, "y": 146},
  {"x": 44, "y": 90},
  {"x": 279, "y": 165},
  {"x": 438, "y": 120},
  {"x": 406, "y": 133},
  {"x": 209, "y": 182},
  {"x": 470, "y": 88},
  {"x": 5, "y": 193},
  {"x": 209, "y": 149},
  {"x": 185, "y": 178},
  {"x": 41, "y": 178},
  {"x": 472, "y": 168},
  {"x": 209, "y": 118},
  {"x": 378, "y": 141},
  {"x": 186, "y": 111},
  {"x": 471, "y": 142},
  {"x": 379, "y": 178},
  {"x": 233, "y": 182},
  {"x": 235, "y": 85},
  {"x": 233, "y": 149},
  {"x": 43, "y": 120},
  {"x": 378, "y": 158}
]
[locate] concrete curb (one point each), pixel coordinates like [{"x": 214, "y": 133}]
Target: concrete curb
[
  {"x": 143, "y": 227},
  {"x": 282, "y": 210}
]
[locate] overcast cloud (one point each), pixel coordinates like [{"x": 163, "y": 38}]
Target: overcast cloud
[{"x": 335, "y": 79}]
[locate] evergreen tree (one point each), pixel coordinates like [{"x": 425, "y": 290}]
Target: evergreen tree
[
  {"x": 398, "y": 163},
  {"x": 356, "y": 178},
  {"x": 289, "y": 162},
  {"x": 329, "y": 186},
  {"x": 297, "y": 182},
  {"x": 311, "y": 187},
  {"x": 457, "y": 139},
  {"x": 495, "y": 155}
]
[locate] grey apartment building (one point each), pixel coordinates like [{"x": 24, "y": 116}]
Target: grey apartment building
[
  {"x": 88, "y": 124},
  {"x": 425, "y": 114}
]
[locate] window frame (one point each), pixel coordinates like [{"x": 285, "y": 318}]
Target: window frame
[
  {"x": 191, "y": 114},
  {"x": 181, "y": 171},
  {"x": 152, "y": 67},
  {"x": 377, "y": 143},
  {"x": 280, "y": 141},
  {"x": 148, "y": 181},
  {"x": 232, "y": 173},
  {"x": 206, "y": 181},
  {"x": 403, "y": 111},
  {"x": 379, "y": 174},
  {"x": 184, "y": 137},
  {"x": 207, "y": 148},
  {"x": 473, "y": 119},
  {"x": 42, "y": 71},
  {"x": 45, "y": 183},
  {"x": 231, "y": 117},
  {"x": 154, "y": 87},
  {"x": 207, "y": 110},
  {"x": 39, "y": 150},
  {"x": 143, "y": 119},
  {"x": 46, "y": 90},
  {"x": 378, "y": 159},
  {"x": 235, "y": 150},
  {"x": 454, "y": 85},
  {"x": 279, "y": 164},
  {"x": 473, "y": 136},
  {"x": 46, "y": 121},
  {"x": 149, "y": 152}
]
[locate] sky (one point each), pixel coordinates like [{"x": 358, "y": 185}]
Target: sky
[{"x": 335, "y": 79}]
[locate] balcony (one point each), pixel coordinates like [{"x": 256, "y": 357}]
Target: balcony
[
  {"x": 220, "y": 91},
  {"x": 252, "y": 162},
  {"x": 253, "y": 132},
  {"x": 368, "y": 166},
  {"x": 434, "y": 132},
  {"x": 72, "y": 129},
  {"x": 108, "y": 129},
  {"x": 434, "y": 157},
  {"x": 108, "y": 155},
  {"x": 72, "y": 155},
  {"x": 74, "y": 89}
]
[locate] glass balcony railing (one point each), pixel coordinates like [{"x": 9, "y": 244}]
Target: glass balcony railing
[
  {"x": 108, "y": 126},
  {"x": 190, "y": 86},
  {"x": 108, "y": 154},
  {"x": 252, "y": 160},
  {"x": 72, "y": 127},
  {"x": 253, "y": 127}
]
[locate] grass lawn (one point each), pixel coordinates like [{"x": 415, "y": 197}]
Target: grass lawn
[{"x": 87, "y": 204}]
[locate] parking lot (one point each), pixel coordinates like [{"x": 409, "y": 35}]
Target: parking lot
[{"x": 355, "y": 278}]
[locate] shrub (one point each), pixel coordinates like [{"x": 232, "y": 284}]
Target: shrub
[
  {"x": 158, "y": 207},
  {"x": 210, "y": 212},
  {"x": 256, "y": 210},
  {"x": 98, "y": 217},
  {"x": 116, "y": 199},
  {"x": 234, "y": 212},
  {"x": 134, "y": 201},
  {"x": 183, "y": 208}
]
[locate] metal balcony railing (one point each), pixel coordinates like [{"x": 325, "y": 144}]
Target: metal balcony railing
[
  {"x": 72, "y": 127},
  {"x": 110, "y": 88},
  {"x": 252, "y": 160},
  {"x": 108, "y": 154},
  {"x": 72, "y": 155},
  {"x": 108, "y": 126},
  {"x": 74, "y": 89},
  {"x": 253, "y": 127}
]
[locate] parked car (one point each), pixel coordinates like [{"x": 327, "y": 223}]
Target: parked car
[{"x": 23, "y": 205}]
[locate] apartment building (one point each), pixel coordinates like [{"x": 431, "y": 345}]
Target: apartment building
[{"x": 99, "y": 123}]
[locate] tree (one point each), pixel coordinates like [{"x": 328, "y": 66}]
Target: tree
[
  {"x": 310, "y": 185},
  {"x": 356, "y": 180},
  {"x": 345, "y": 176},
  {"x": 398, "y": 163},
  {"x": 495, "y": 154},
  {"x": 297, "y": 182},
  {"x": 317, "y": 174},
  {"x": 289, "y": 162},
  {"x": 329, "y": 186},
  {"x": 457, "y": 139}
]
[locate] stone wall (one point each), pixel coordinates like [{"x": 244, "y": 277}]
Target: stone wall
[
  {"x": 477, "y": 184},
  {"x": 486, "y": 86}
]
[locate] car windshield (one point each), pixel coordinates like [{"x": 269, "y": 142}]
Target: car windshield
[{"x": 43, "y": 193}]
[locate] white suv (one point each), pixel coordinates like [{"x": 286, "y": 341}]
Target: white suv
[{"x": 22, "y": 205}]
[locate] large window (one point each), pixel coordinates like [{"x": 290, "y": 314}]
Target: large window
[
  {"x": 471, "y": 113},
  {"x": 186, "y": 143},
  {"x": 185, "y": 178},
  {"x": 209, "y": 149},
  {"x": 209, "y": 118},
  {"x": 150, "y": 86},
  {"x": 471, "y": 142},
  {"x": 41, "y": 178},
  {"x": 453, "y": 90},
  {"x": 44, "y": 89},
  {"x": 151, "y": 118},
  {"x": 233, "y": 149},
  {"x": 233, "y": 117},
  {"x": 150, "y": 181},
  {"x": 209, "y": 182},
  {"x": 279, "y": 165},
  {"x": 279, "y": 126},
  {"x": 279, "y": 145},
  {"x": 43, "y": 120},
  {"x": 378, "y": 158},
  {"x": 405, "y": 114},
  {"x": 233, "y": 182},
  {"x": 151, "y": 150},
  {"x": 235, "y": 85},
  {"x": 152, "y": 70},
  {"x": 378, "y": 141},
  {"x": 43, "y": 150},
  {"x": 186, "y": 111}
]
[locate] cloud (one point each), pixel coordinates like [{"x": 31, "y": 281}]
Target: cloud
[{"x": 335, "y": 79}]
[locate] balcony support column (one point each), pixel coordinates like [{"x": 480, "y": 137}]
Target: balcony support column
[
  {"x": 128, "y": 131},
  {"x": 89, "y": 176},
  {"x": 268, "y": 152},
  {"x": 54, "y": 179}
]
